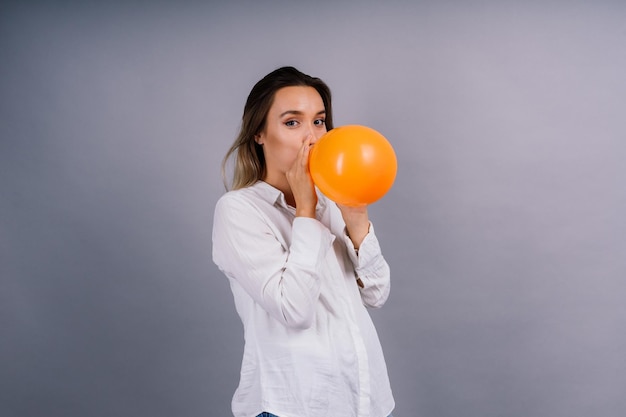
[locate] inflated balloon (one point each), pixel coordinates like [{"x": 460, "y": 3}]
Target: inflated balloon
[{"x": 353, "y": 165}]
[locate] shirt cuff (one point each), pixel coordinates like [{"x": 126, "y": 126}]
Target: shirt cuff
[{"x": 368, "y": 249}]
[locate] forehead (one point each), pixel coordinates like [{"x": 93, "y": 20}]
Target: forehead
[{"x": 297, "y": 98}]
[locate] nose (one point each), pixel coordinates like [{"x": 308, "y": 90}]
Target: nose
[
  {"x": 310, "y": 134},
  {"x": 311, "y": 138},
  {"x": 315, "y": 133}
]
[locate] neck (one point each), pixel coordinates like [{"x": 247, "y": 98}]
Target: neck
[{"x": 281, "y": 183}]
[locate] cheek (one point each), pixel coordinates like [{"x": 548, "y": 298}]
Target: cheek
[
  {"x": 282, "y": 147},
  {"x": 290, "y": 153},
  {"x": 289, "y": 144},
  {"x": 283, "y": 153}
]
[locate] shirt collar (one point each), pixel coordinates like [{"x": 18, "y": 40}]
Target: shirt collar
[
  {"x": 269, "y": 193},
  {"x": 273, "y": 196}
]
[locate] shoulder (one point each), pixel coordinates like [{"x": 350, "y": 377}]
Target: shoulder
[
  {"x": 234, "y": 211},
  {"x": 250, "y": 199},
  {"x": 235, "y": 199}
]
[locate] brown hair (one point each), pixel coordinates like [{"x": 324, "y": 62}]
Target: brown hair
[{"x": 249, "y": 159}]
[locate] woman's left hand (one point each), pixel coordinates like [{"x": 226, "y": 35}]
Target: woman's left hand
[{"x": 357, "y": 223}]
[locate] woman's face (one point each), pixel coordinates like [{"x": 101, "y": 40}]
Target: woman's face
[{"x": 295, "y": 114}]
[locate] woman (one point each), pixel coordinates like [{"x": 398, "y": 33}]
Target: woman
[{"x": 301, "y": 268}]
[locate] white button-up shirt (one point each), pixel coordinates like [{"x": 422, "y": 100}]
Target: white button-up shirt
[{"x": 311, "y": 349}]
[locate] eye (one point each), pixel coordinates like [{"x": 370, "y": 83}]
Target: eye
[
  {"x": 320, "y": 122},
  {"x": 291, "y": 123}
]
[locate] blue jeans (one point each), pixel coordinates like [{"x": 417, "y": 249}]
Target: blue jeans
[{"x": 266, "y": 414}]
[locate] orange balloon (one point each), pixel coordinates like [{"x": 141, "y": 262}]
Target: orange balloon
[{"x": 353, "y": 165}]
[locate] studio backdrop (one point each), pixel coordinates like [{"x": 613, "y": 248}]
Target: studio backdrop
[{"x": 504, "y": 229}]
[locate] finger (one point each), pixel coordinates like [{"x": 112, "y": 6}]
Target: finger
[{"x": 306, "y": 148}]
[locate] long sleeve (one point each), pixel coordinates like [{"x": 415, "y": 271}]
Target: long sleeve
[
  {"x": 371, "y": 268},
  {"x": 277, "y": 270}
]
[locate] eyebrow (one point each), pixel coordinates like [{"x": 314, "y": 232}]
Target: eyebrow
[{"x": 298, "y": 112}]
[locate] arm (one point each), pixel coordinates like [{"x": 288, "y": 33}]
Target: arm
[
  {"x": 364, "y": 251},
  {"x": 283, "y": 281},
  {"x": 357, "y": 223}
]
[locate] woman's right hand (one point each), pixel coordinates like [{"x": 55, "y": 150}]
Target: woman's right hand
[{"x": 301, "y": 183}]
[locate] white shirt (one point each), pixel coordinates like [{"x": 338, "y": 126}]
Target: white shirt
[{"x": 311, "y": 349}]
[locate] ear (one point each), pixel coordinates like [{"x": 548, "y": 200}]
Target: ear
[{"x": 258, "y": 138}]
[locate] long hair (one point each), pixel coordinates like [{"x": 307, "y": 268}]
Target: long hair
[{"x": 249, "y": 161}]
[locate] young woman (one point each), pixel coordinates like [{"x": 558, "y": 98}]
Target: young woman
[{"x": 302, "y": 269}]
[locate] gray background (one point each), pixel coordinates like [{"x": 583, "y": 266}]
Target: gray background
[{"x": 505, "y": 228}]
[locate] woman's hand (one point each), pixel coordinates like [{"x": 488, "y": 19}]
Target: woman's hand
[
  {"x": 301, "y": 183},
  {"x": 357, "y": 223}
]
